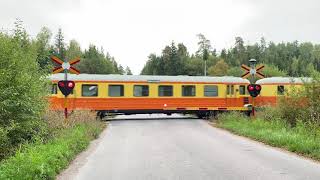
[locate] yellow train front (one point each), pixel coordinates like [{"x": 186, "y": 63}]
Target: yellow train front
[{"x": 138, "y": 94}]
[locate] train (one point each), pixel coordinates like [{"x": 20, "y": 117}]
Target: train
[
  {"x": 273, "y": 88},
  {"x": 203, "y": 96}
]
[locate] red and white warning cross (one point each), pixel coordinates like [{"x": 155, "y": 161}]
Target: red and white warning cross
[
  {"x": 65, "y": 65},
  {"x": 252, "y": 71}
]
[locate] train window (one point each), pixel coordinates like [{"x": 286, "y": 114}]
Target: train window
[
  {"x": 242, "y": 89},
  {"x": 141, "y": 90},
  {"x": 89, "y": 90},
  {"x": 188, "y": 90},
  {"x": 54, "y": 89},
  {"x": 165, "y": 91},
  {"x": 210, "y": 90},
  {"x": 230, "y": 89},
  {"x": 116, "y": 90},
  {"x": 280, "y": 90}
]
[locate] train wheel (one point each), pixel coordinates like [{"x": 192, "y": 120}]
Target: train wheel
[
  {"x": 200, "y": 115},
  {"x": 100, "y": 115}
]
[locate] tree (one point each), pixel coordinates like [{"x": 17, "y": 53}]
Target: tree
[
  {"x": 128, "y": 71},
  {"x": 44, "y": 49},
  {"x": 95, "y": 62},
  {"x": 121, "y": 70},
  {"x": 23, "y": 89},
  {"x": 240, "y": 52},
  {"x": 60, "y": 45},
  {"x": 204, "y": 47},
  {"x": 204, "y": 50},
  {"x": 219, "y": 69},
  {"x": 73, "y": 50},
  {"x": 172, "y": 62},
  {"x": 295, "y": 68},
  {"x": 234, "y": 71},
  {"x": 223, "y": 54},
  {"x": 310, "y": 71},
  {"x": 154, "y": 66},
  {"x": 194, "y": 67},
  {"x": 272, "y": 71},
  {"x": 285, "y": 58}
]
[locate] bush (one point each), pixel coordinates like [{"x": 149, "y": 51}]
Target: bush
[
  {"x": 44, "y": 161},
  {"x": 23, "y": 89},
  {"x": 300, "y": 104}
]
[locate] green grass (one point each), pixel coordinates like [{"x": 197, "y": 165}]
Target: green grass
[
  {"x": 45, "y": 161},
  {"x": 299, "y": 139}
]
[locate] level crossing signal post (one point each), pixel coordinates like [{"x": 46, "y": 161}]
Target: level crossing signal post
[
  {"x": 253, "y": 71},
  {"x": 65, "y": 86}
]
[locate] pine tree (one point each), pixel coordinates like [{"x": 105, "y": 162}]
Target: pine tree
[
  {"x": 60, "y": 45},
  {"x": 128, "y": 71}
]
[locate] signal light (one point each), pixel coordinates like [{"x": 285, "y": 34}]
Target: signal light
[
  {"x": 258, "y": 87},
  {"x": 254, "y": 89},
  {"x": 70, "y": 84},
  {"x": 61, "y": 84},
  {"x": 251, "y": 88},
  {"x": 66, "y": 87}
]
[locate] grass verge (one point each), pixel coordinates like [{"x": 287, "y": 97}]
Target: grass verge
[
  {"x": 299, "y": 139},
  {"x": 45, "y": 161}
]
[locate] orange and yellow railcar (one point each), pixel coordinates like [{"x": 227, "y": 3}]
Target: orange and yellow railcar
[
  {"x": 134, "y": 94},
  {"x": 276, "y": 87}
]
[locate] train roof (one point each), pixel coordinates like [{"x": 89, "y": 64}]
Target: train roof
[
  {"x": 148, "y": 78},
  {"x": 284, "y": 80}
]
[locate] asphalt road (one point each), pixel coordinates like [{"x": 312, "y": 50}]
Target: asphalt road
[{"x": 186, "y": 149}]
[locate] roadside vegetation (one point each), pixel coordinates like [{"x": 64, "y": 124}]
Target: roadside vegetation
[
  {"x": 45, "y": 159},
  {"x": 35, "y": 143},
  {"x": 294, "y": 124},
  {"x": 46, "y": 154}
]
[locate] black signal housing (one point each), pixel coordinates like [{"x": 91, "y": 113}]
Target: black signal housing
[
  {"x": 66, "y": 87},
  {"x": 254, "y": 89}
]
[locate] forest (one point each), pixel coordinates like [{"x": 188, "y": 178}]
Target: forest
[
  {"x": 281, "y": 59},
  {"x": 94, "y": 60}
]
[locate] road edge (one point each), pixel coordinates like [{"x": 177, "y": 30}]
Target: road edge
[
  {"x": 73, "y": 168},
  {"x": 214, "y": 125}
]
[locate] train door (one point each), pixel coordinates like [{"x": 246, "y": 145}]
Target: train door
[{"x": 230, "y": 95}]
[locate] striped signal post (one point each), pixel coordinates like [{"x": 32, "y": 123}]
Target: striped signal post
[
  {"x": 253, "y": 71},
  {"x": 64, "y": 85}
]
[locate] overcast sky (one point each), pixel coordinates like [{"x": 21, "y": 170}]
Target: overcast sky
[{"x": 130, "y": 30}]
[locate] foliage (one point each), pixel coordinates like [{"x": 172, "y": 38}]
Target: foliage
[
  {"x": 171, "y": 62},
  {"x": 73, "y": 50},
  {"x": 274, "y": 132},
  {"x": 282, "y": 59},
  {"x": 219, "y": 69},
  {"x": 272, "y": 70},
  {"x": 128, "y": 71},
  {"x": 59, "y": 49},
  {"x": 23, "y": 90},
  {"x": 234, "y": 71},
  {"x": 312, "y": 93},
  {"x": 301, "y": 104},
  {"x": 44, "y": 49},
  {"x": 45, "y": 161},
  {"x": 95, "y": 62},
  {"x": 204, "y": 47}
]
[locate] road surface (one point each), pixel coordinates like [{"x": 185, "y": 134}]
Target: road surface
[{"x": 186, "y": 149}]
